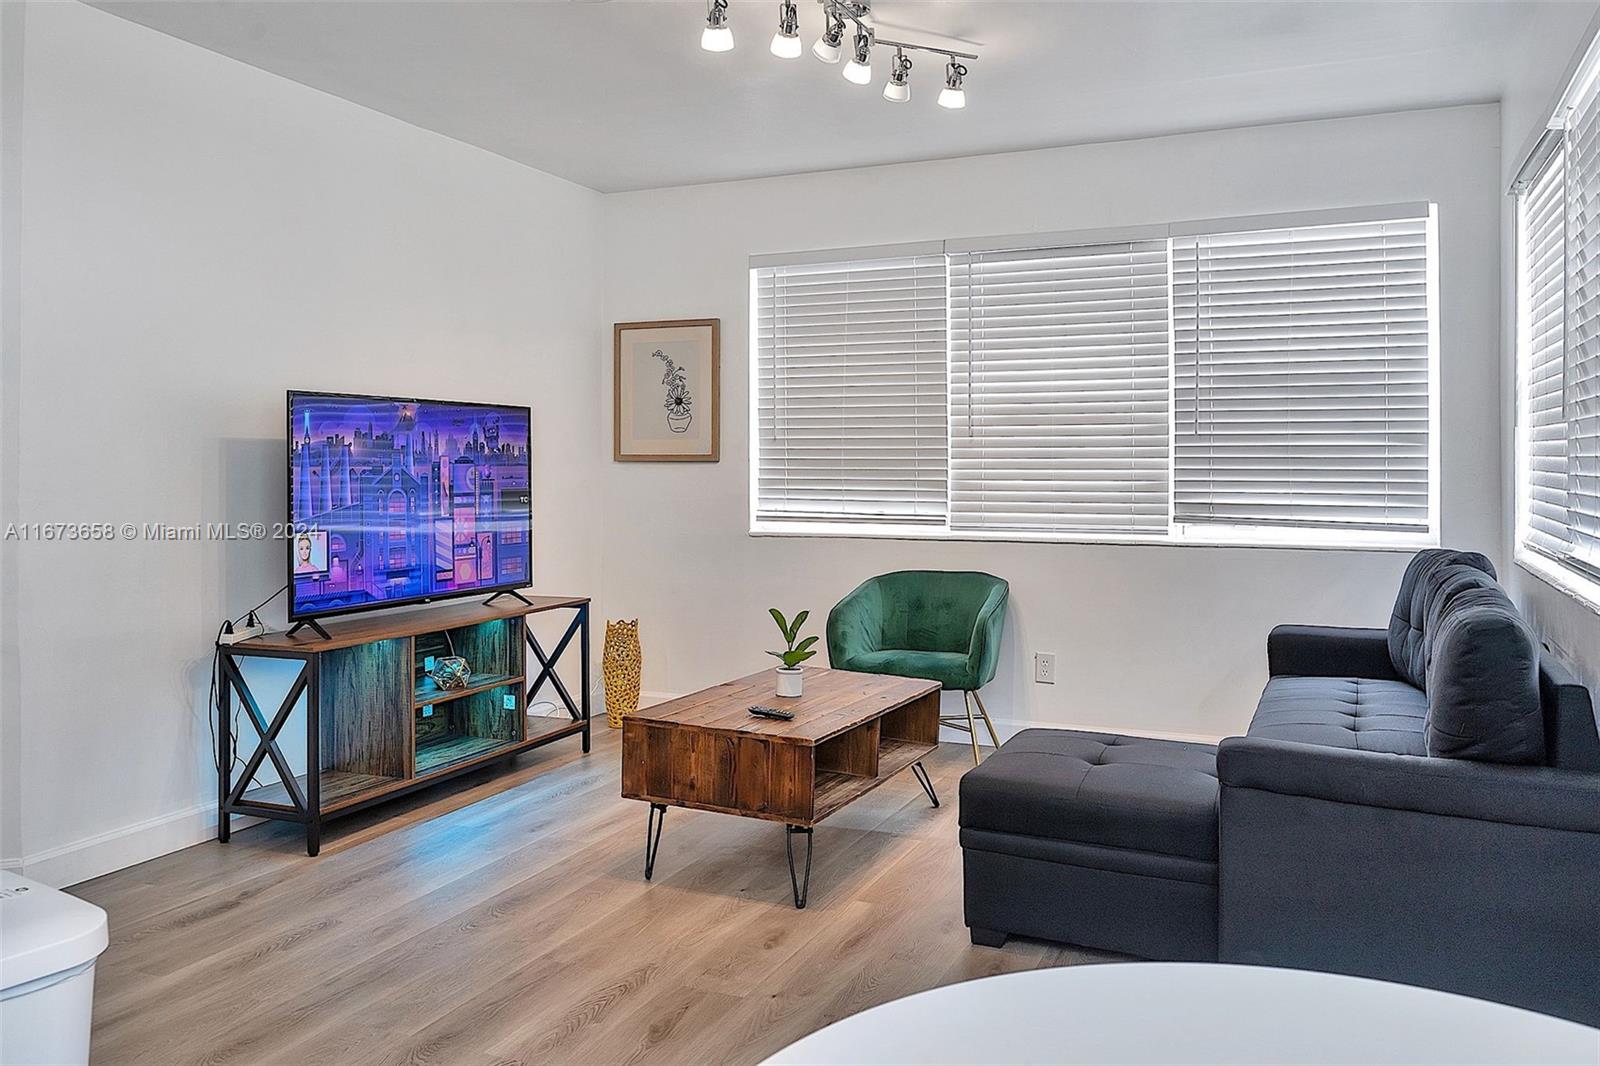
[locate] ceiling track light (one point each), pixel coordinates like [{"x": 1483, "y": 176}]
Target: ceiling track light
[
  {"x": 859, "y": 70},
  {"x": 718, "y": 35},
  {"x": 786, "y": 41},
  {"x": 953, "y": 96},
  {"x": 898, "y": 88},
  {"x": 829, "y": 47}
]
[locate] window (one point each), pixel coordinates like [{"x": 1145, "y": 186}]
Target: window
[
  {"x": 1264, "y": 380},
  {"x": 1059, "y": 375},
  {"x": 1301, "y": 359},
  {"x": 1542, "y": 343},
  {"x": 851, "y": 390},
  {"x": 1558, "y": 343}
]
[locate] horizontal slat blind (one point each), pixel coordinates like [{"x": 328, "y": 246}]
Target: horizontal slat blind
[
  {"x": 1583, "y": 330},
  {"x": 851, "y": 391},
  {"x": 1542, "y": 247},
  {"x": 1059, "y": 388},
  {"x": 1301, "y": 376}
]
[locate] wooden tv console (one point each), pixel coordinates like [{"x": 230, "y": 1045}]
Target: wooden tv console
[{"x": 376, "y": 724}]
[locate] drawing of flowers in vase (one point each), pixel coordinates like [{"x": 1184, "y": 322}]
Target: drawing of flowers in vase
[{"x": 678, "y": 402}]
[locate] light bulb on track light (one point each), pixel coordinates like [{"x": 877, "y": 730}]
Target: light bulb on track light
[
  {"x": 859, "y": 70},
  {"x": 828, "y": 45},
  {"x": 718, "y": 35},
  {"x": 898, "y": 88},
  {"x": 953, "y": 96},
  {"x": 786, "y": 42}
]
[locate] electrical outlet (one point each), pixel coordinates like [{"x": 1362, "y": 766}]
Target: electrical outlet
[
  {"x": 427, "y": 712},
  {"x": 509, "y": 701},
  {"x": 1044, "y": 668}
]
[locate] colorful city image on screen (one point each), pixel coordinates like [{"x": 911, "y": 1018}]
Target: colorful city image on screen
[{"x": 402, "y": 500}]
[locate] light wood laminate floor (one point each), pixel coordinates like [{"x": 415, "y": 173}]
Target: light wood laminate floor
[{"x": 507, "y": 920}]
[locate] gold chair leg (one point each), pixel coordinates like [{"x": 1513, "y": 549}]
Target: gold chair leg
[
  {"x": 972, "y": 727},
  {"x": 986, "y": 720}
]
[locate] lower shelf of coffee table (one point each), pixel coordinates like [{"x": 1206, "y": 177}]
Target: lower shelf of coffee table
[{"x": 835, "y": 789}]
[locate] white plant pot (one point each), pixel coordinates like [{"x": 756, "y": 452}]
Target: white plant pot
[{"x": 791, "y": 679}]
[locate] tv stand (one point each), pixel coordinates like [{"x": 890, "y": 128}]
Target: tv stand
[
  {"x": 508, "y": 592},
  {"x": 377, "y": 726},
  {"x": 311, "y": 624}
]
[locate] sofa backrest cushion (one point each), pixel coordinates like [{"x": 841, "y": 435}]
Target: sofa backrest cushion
[
  {"x": 1482, "y": 678},
  {"x": 1408, "y": 624},
  {"x": 1440, "y": 590}
]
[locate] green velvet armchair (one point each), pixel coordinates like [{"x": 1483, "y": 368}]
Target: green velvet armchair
[{"x": 943, "y": 625}]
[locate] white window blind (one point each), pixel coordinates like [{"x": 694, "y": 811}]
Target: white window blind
[
  {"x": 1582, "y": 356},
  {"x": 1059, "y": 388},
  {"x": 1543, "y": 277},
  {"x": 851, "y": 390},
  {"x": 1301, "y": 362}
]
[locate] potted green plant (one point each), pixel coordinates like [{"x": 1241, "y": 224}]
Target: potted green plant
[{"x": 791, "y": 678}]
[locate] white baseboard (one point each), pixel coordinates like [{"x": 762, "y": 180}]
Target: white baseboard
[
  {"x": 1010, "y": 727},
  {"x": 118, "y": 849}
]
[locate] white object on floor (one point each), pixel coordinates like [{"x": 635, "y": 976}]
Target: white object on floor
[
  {"x": 1158, "y": 1012},
  {"x": 48, "y": 945}
]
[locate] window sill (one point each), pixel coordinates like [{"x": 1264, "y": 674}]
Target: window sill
[
  {"x": 1298, "y": 540},
  {"x": 1570, "y": 584}
]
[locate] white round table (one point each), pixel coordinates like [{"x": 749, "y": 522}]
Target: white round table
[{"x": 1154, "y": 1012}]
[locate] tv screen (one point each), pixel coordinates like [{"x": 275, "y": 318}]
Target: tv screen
[{"x": 396, "y": 500}]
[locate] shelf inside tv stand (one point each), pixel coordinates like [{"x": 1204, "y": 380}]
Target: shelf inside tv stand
[{"x": 428, "y": 694}]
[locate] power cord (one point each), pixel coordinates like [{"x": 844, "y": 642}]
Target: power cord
[{"x": 248, "y": 618}]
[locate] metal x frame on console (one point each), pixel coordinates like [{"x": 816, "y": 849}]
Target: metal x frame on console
[
  {"x": 305, "y": 804},
  {"x": 579, "y": 626}
]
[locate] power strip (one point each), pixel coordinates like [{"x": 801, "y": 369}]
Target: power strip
[{"x": 234, "y": 636}]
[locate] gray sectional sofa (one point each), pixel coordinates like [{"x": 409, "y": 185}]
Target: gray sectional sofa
[{"x": 1418, "y": 804}]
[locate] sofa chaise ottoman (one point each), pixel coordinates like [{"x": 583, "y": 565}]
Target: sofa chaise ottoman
[{"x": 1106, "y": 841}]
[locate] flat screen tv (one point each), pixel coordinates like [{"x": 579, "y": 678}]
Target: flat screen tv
[{"x": 395, "y": 500}]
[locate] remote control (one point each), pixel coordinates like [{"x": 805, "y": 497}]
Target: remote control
[{"x": 761, "y": 711}]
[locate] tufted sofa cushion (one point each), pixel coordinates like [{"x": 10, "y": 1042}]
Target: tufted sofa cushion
[
  {"x": 1343, "y": 712},
  {"x": 1407, "y": 625},
  {"x": 1483, "y": 680},
  {"x": 1095, "y": 788}
]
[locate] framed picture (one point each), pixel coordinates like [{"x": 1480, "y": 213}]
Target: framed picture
[{"x": 667, "y": 391}]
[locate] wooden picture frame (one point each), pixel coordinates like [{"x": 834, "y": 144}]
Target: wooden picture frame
[{"x": 666, "y": 391}]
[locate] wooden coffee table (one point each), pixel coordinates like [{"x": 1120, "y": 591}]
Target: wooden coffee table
[{"x": 851, "y": 733}]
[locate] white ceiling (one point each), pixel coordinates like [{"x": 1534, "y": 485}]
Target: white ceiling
[{"x": 618, "y": 95}]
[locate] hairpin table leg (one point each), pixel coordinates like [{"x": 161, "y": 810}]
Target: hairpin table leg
[
  {"x": 652, "y": 837},
  {"x": 921, "y": 774},
  {"x": 802, "y": 887}
]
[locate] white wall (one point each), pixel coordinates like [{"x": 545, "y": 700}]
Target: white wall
[
  {"x": 1543, "y": 66},
  {"x": 11, "y": 25},
  {"x": 1168, "y": 640},
  {"x": 197, "y": 236}
]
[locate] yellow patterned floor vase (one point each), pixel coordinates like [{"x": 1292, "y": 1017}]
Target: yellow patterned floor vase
[{"x": 619, "y": 665}]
